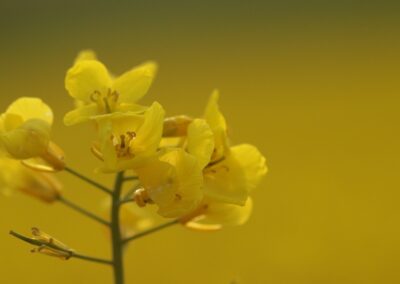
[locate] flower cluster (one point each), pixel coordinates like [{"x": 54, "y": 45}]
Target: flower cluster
[
  {"x": 187, "y": 166},
  {"x": 184, "y": 167}
]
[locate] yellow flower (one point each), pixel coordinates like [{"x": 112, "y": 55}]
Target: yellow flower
[
  {"x": 211, "y": 215},
  {"x": 25, "y": 134},
  {"x": 126, "y": 139},
  {"x": 15, "y": 177},
  {"x": 233, "y": 178},
  {"x": 89, "y": 82},
  {"x": 173, "y": 182},
  {"x": 230, "y": 173}
]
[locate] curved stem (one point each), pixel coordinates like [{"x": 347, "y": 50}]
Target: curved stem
[
  {"x": 50, "y": 245},
  {"x": 88, "y": 180},
  {"x": 116, "y": 231},
  {"x": 92, "y": 259},
  {"x": 150, "y": 231},
  {"x": 83, "y": 211}
]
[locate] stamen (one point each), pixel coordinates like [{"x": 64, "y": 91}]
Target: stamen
[{"x": 122, "y": 143}]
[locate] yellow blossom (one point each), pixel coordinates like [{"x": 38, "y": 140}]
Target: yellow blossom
[
  {"x": 126, "y": 139},
  {"x": 236, "y": 175},
  {"x": 15, "y": 177},
  {"x": 173, "y": 182},
  {"x": 25, "y": 134},
  {"x": 230, "y": 173},
  {"x": 212, "y": 215},
  {"x": 89, "y": 82}
]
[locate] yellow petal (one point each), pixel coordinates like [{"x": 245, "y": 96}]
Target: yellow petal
[
  {"x": 11, "y": 121},
  {"x": 218, "y": 215},
  {"x": 53, "y": 160},
  {"x": 252, "y": 162},
  {"x": 29, "y": 140},
  {"x": 200, "y": 141},
  {"x": 42, "y": 186},
  {"x": 231, "y": 179},
  {"x": 172, "y": 142},
  {"x": 85, "y": 55},
  {"x": 81, "y": 114},
  {"x": 148, "y": 136},
  {"x": 134, "y": 84},
  {"x": 126, "y": 107},
  {"x": 16, "y": 177},
  {"x": 212, "y": 113},
  {"x": 31, "y": 108},
  {"x": 176, "y": 126},
  {"x": 87, "y": 77},
  {"x": 174, "y": 183},
  {"x": 10, "y": 177},
  {"x": 107, "y": 147},
  {"x": 217, "y": 122}
]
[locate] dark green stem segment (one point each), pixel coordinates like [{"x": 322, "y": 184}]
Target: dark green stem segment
[
  {"x": 150, "y": 231},
  {"x": 116, "y": 231},
  {"x": 130, "y": 178},
  {"x": 83, "y": 211},
  {"x": 88, "y": 180},
  {"x": 72, "y": 253},
  {"x": 128, "y": 197}
]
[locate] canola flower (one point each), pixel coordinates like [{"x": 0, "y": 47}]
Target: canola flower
[
  {"x": 89, "y": 82},
  {"x": 25, "y": 134},
  {"x": 184, "y": 169},
  {"x": 126, "y": 139}
]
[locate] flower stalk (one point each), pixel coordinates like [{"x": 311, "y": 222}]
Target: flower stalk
[
  {"x": 116, "y": 231},
  {"x": 83, "y": 211},
  {"x": 150, "y": 231},
  {"x": 88, "y": 180}
]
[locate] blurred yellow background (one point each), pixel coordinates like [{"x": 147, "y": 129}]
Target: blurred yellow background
[{"x": 314, "y": 84}]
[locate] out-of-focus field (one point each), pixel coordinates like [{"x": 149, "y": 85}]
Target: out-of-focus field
[{"x": 314, "y": 84}]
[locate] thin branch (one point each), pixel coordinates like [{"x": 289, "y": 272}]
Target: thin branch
[
  {"x": 128, "y": 196},
  {"x": 130, "y": 178},
  {"x": 88, "y": 180},
  {"x": 72, "y": 253},
  {"x": 150, "y": 231},
  {"x": 83, "y": 211}
]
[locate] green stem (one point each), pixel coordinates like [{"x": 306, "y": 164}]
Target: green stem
[
  {"x": 72, "y": 253},
  {"x": 150, "y": 231},
  {"x": 116, "y": 231},
  {"x": 130, "y": 178},
  {"x": 83, "y": 211},
  {"x": 128, "y": 197},
  {"x": 88, "y": 180}
]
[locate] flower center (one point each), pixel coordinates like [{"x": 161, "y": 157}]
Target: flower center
[
  {"x": 106, "y": 102},
  {"x": 122, "y": 142}
]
